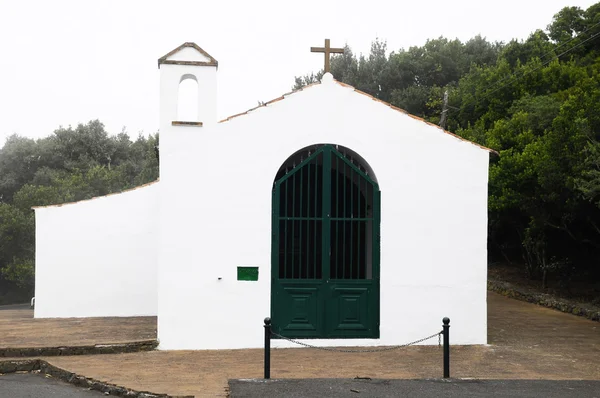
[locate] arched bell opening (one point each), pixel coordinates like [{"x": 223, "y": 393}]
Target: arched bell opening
[{"x": 187, "y": 99}]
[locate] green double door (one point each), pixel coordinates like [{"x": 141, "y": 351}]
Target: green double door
[{"x": 325, "y": 248}]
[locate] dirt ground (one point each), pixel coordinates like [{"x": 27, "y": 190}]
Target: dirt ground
[
  {"x": 526, "y": 342},
  {"x": 19, "y": 329},
  {"x": 579, "y": 289}
]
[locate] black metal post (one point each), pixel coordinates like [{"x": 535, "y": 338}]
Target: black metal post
[
  {"x": 267, "y": 348},
  {"x": 446, "y": 331}
]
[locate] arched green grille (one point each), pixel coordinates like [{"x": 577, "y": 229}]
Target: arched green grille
[{"x": 325, "y": 242}]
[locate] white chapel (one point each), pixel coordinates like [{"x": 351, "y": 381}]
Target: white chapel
[{"x": 346, "y": 220}]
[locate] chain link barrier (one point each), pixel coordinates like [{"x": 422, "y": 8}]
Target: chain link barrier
[{"x": 439, "y": 334}]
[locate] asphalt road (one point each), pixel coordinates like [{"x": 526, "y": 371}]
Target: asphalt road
[
  {"x": 27, "y": 385},
  {"x": 335, "y": 388}
]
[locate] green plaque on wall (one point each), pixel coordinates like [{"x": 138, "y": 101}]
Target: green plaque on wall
[{"x": 247, "y": 273}]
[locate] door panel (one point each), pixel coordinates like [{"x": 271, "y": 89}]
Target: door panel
[
  {"x": 298, "y": 310},
  {"x": 350, "y": 312}
]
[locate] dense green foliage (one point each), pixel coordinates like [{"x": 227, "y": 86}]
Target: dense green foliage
[
  {"x": 71, "y": 164},
  {"x": 537, "y": 103}
]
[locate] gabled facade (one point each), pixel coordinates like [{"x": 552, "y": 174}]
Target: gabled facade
[{"x": 346, "y": 220}]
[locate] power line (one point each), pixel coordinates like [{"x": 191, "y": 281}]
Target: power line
[
  {"x": 573, "y": 38},
  {"x": 544, "y": 55},
  {"x": 545, "y": 63},
  {"x": 514, "y": 78}
]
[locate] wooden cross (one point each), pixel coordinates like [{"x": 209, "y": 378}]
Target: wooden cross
[{"x": 327, "y": 50}]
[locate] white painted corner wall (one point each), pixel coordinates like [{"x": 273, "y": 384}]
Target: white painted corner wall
[
  {"x": 98, "y": 257},
  {"x": 172, "y": 248}
]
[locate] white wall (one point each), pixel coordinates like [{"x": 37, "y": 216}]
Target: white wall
[
  {"x": 170, "y": 78},
  {"x": 433, "y": 219},
  {"x": 98, "y": 257}
]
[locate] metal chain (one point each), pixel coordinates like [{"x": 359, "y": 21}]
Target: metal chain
[{"x": 359, "y": 351}]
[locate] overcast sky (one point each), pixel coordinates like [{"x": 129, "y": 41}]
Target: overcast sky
[{"x": 67, "y": 62}]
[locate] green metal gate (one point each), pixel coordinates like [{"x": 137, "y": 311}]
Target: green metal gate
[{"x": 325, "y": 248}]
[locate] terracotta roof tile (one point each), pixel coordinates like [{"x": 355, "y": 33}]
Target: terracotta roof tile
[
  {"x": 264, "y": 104},
  {"x": 274, "y": 100},
  {"x": 416, "y": 117},
  {"x": 374, "y": 99},
  {"x": 97, "y": 197}
]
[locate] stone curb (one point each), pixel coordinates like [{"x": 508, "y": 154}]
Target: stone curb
[
  {"x": 117, "y": 348},
  {"x": 545, "y": 300},
  {"x": 41, "y": 366}
]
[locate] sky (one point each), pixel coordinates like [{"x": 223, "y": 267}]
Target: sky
[{"x": 66, "y": 62}]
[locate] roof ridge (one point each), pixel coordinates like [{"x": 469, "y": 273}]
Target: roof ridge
[
  {"x": 365, "y": 94},
  {"x": 416, "y": 117},
  {"x": 211, "y": 60},
  {"x": 264, "y": 104}
]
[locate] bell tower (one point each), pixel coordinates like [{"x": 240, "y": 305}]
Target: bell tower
[{"x": 187, "y": 62}]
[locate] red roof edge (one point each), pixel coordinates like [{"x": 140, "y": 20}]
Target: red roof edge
[
  {"x": 374, "y": 99},
  {"x": 98, "y": 197}
]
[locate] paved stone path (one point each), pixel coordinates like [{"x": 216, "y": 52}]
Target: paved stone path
[{"x": 527, "y": 342}]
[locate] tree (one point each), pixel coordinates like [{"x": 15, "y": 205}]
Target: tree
[
  {"x": 16, "y": 245},
  {"x": 18, "y": 164},
  {"x": 69, "y": 165}
]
